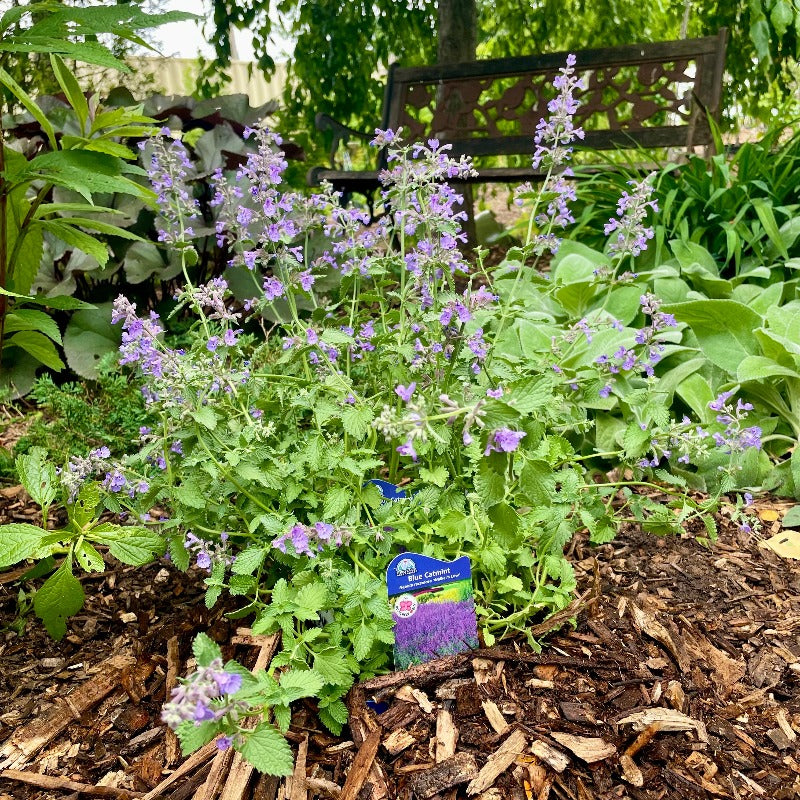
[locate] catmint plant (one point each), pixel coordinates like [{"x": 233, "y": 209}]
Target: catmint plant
[{"x": 359, "y": 352}]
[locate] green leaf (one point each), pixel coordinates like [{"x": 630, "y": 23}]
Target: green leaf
[
  {"x": 437, "y": 476},
  {"x": 489, "y": 485},
  {"x": 310, "y": 600},
  {"x": 530, "y": 395},
  {"x": 38, "y": 346},
  {"x": 759, "y": 368},
  {"x": 30, "y": 105},
  {"x": 90, "y": 336},
  {"x": 334, "y": 716},
  {"x": 69, "y": 84},
  {"x": 28, "y": 319},
  {"x": 337, "y": 499},
  {"x": 363, "y": 639},
  {"x": 267, "y": 750},
  {"x": 60, "y": 596},
  {"x": 206, "y": 416},
  {"x": 192, "y": 737},
  {"x": 763, "y": 208},
  {"x": 332, "y": 665},
  {"x": 356, "y": 420},
  {"x": 38, "y": 476},
  {"x": 18, "y": 541},
  {"x": 509, "y": 584},
  {"x": 724, "y": 329},
  {"x": 89, "y": 559},
  {"x": 130, "y": 545},
  {"x": 77, "y": 238},
  {"x": 299, "y": 683},
  {"x": 635, "y": 440},
  {"x": 205, "y": 649},
  {"x": 248, "y": 561}
]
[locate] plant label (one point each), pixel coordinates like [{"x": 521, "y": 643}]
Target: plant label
[
  {"x": 433, "y": 608},
  {"x": 388, "y": 490}
]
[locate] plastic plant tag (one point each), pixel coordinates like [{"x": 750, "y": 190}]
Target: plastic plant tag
[
  {"x": 432, "y": 606},
  {"x": 388, "y": 490}
]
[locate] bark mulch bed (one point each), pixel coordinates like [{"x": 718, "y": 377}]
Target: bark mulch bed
[{"x": 680, "y": 681}]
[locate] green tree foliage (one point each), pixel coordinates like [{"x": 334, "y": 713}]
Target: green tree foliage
[{"x": 343, "y": 49}]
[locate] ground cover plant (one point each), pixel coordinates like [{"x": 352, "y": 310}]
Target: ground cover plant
[{"x": 358, "y": 353}]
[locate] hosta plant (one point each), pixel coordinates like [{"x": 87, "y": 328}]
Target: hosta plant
[{"x": 357, "y": 353}]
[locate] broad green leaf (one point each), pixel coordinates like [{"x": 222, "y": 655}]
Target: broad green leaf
[
  {"x": 758, "y": 368},
  {"x": 337, "y": 499},
  {"x": 248, "y": 561},
  {"x": 437, "y": 476},
  {"x": 130, "y": 545},
  {"x": 90, "y": 336},
  {"x": 206, "y": 416},
  {"x": 60, "y": 596},
  {"x": 363, "y": 638},
  {"x": 74, "y": 237},
  {"x": 18, "y": 541},
  {"x": 332, "y": 665},
  {"x": 192, "y": 737},
  {"x": 267, "y": 750},
  {"x": 28, "y": 319},
  {"x": 38, "y": 346},
  {"x": 696, "y": 392},
  {"x": 724, "y": 329},
  {"x": 38, "y": 476},
  {"x": 356, "y": 420},
  {"x": 509, "y": 584},
  {"x": 311, "y": 599}
]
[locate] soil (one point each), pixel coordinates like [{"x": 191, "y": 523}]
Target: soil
[{"x": 681, "y": 680}]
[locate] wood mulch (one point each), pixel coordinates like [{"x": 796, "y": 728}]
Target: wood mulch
[{"x": 681, "y": 680}]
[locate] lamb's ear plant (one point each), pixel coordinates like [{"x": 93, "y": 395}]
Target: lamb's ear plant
[{"x": 386, "y": 355}]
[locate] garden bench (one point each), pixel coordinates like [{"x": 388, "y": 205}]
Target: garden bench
[{"x": 647, "y": 95}]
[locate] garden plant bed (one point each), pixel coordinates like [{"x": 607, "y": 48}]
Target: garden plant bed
[{"x": 680, "y": 681}]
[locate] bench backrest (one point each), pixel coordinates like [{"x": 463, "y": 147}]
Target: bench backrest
[{"x": 648, "y": 95}]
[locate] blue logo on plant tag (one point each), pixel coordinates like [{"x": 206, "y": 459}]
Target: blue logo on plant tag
[
  {"x": 405, "y": 566},
  {"x": 388, "y": 490}
]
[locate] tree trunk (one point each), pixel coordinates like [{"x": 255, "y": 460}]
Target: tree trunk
[{"x": 458, "y": 35}]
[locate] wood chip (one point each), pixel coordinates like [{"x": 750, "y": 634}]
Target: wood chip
[
  {"x": 498, "y": 762},
  {"x": 361, "y": 766},
  {"x": 412, "y": 695},
  {"x": 296, "y": 785},
  {"x": 196, "y": 759},
  {"x": 446, "y": 735},
  {"x": 670, "y": 720},
  {"x": 173, "y": 746},
  {"x": 648, "y": 624},
  {"x": 324, "y": 788},
  {"x": 554, "y": 759},
  {"x": 538, "y": 683},
  {"x": 397, "y": 741},
  {"x": 495, "y": 717},
  {"x": 64, "y": 784},
  {"x": 588, "y": 748},
  {"x": 459, "y": 769},
  {"x": 630, "y": 772}
]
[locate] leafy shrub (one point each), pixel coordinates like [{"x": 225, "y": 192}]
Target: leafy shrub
[{"x": 384, "y": 357}]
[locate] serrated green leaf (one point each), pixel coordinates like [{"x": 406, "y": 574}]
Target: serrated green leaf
[
  {"x": 299, "y": 683},
  {"x": 267, "y": 750},
  {"x": 437, "y": 476},
  {"x": 510, "y": 583},
  {"x": 60, "y": 596},
  {"x": 192, "y": 737},
  {"x": 38, "y": 476},
  {"x": 310, "y": 600},
  {"x": 635, "y": 440},
  {"x": 334, "y": 716},
  {"x": 363, "y": 639},
  {"x": 248, "y": 561},
  {"x": 69, "y": 84},
  {"x": 356, "y": 421},
  {"x": 130, "y": 545},
  {"x": 206, "y": 416},
  {"x": 29, "y": 319},
  {"x": 332, "y": 665},
  {"x": 337, "y": 499},
  {"x": 205, "y": 649},
  {"x": 89, "y": 559},
  {"x": 18, "y": 541}
]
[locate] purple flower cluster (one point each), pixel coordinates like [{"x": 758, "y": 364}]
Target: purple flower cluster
[
  {"x": 208, "y": 554},
  {"x": 169, "y": 170},
  {"x": 140, "y": 339},
  {"x": 631, "y": 232},
  {"x": 212, "y": 296},
  {"x": 309, "y": 540},
  {"x": 205, "y": 696},
  {"x": 555, "y": 135},
  {"x": 736, "y": 437},
  {"x": 435, "y": 629},
  {"x": 80, "y": 468},
  {"x": 503, "y": 440}
]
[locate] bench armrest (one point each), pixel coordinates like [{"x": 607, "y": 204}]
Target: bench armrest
[{"x": 341, "y": 133}]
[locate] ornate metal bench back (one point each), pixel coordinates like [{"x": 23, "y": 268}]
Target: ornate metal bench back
[{"x": 649, "y": 95}]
